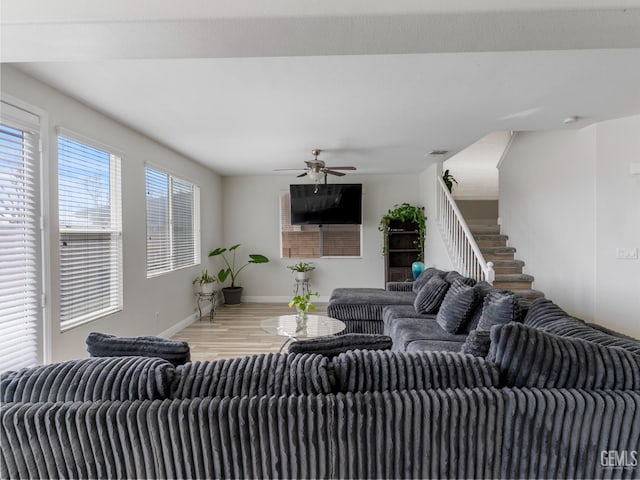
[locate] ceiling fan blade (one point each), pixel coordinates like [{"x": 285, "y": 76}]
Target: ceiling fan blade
[
  {"x": 342, "y": 168},
  {"x": 301, "y": 175},
  {"x": 332, "y": 172}
]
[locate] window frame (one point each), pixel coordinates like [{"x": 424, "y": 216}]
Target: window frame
[
  {"x": 197, "y": 242},
  {"x": 114, "y": 230}
]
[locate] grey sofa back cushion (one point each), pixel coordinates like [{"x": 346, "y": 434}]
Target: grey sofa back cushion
[
  {"x": 546, "y": 315},
  {"x": 528, "y": 357},
  {"x": 430, "y": 296},
  {"x": 333, "y": 345},
  {"x": 457, "y": 307},
  {"x": 124, "y": 378},
  {"x": 266, "y": 374},
  {"x": 376, "y": 371},
  {"x": 425, "y": 276},
  {"x": 498, "y": 308},
  {"x": 105, "y": 345}
]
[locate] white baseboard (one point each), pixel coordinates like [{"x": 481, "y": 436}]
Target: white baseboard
[{"x": 181, "y": 325}]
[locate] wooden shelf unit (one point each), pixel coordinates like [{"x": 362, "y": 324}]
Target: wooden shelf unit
[{"x": 402, "y": 247}]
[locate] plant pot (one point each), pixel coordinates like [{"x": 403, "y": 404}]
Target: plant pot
[
  {"x": 232, "y": 295},
  {"x": 302, "y": 276},
  {"x": 207, "y": 288}
]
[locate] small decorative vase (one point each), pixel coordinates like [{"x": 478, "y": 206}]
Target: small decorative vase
[
  {"x": 416, "y": 269},
  {"x": 301, "y": 320}
]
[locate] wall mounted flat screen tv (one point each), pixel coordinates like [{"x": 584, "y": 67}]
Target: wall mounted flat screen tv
[{"x": 321, "y": 204}]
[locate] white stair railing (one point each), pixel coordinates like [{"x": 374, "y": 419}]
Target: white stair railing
[{"x": 463, "y": 249}]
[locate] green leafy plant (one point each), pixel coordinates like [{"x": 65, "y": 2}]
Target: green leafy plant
[
  {"x": 448, "y": 180},
  {"x": 231, "y": 270},
  {"x": 406, "y": 212},
  {"x": 301, "y": 267},
  {"x": 303, "y": 302},
  {"x": 204, "y": 278}
]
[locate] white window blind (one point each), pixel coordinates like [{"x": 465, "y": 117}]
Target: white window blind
[
  {"x": 173, "y": 223},
  {"x": 20, "y": 266},
  {"x": 90, "y": 221}
]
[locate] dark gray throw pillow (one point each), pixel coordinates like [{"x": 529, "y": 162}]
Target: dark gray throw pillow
[
  {"x": 457, "y": 307},
  {"x": 452, "y": 276},
  {"x": 333, "y": 345},
  {"x": 482, "y": 289},
  {"x": 477, "y": 343},
  {"x": 498, "y": 308},
  {"x": 430, "y": 296},
  {"x": 424, "y": 277},
  {"x": 104, "y": 345}
]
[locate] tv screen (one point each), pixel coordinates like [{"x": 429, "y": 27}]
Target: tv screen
[{"x": 321, "y": 204}]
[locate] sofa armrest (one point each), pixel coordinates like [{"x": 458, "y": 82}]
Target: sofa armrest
[{"x": 399, "y": 286}]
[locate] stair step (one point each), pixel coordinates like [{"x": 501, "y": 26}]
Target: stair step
[
  {"x": 513, "y": 281},
  {"x": 498, "y": 253},
  {"x": 479, "y": 228},
  {"x": 506, "y": 267},
  {"x": 484, "y": 240}
]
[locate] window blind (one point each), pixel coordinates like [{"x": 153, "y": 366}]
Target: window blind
[
  {"x": 90, "y": 229},
  {"x": 20, "y": 266},
  {"x": 173, "y": 223}
]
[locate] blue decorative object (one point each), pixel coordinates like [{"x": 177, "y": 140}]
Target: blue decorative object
[{"x": 416, "y": 269}]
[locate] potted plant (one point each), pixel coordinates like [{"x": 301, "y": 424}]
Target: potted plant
[
  {"x": 206, "y": 282},
  {"x": 401, "y": 216},
  {"x": 448, "y": 180},
  {"x": 301, "y": 270},
  {"x": 233, "y": 293},
  {"x": 303, "y": 306}
]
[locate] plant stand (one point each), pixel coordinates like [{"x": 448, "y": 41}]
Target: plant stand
[
  {"x": 208, "y": 297},
  {"x": 301, "y": 284}
]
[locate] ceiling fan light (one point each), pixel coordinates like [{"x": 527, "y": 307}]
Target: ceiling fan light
[{"x": 315, "y": 176}]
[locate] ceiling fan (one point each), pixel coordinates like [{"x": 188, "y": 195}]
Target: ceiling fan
[{"x": 317, "y": 170}]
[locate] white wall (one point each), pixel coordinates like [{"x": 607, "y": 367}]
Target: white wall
[
  {"x": 567, "y": 201},
  {"x": 170, "y": 295},
  {"x": 436, "y": 254},
  {"x": 251, "y": 217},
  {"x": 617, "y": 224}
]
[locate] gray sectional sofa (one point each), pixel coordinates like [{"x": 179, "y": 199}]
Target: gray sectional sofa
[
  {"x": 541, "y": 405},
  {"x": 411, "y": 314}
]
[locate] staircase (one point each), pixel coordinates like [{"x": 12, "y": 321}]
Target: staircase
[{"x": 508, "y": 270}]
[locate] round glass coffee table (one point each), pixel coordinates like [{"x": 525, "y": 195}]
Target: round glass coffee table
[{"x": 289, "y": 326}]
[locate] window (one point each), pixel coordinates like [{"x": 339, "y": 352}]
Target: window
[
  {"x": 314, "y": 241},
  {"x": 90, "y": 226},
  {"x": 173, "y": 223},
  {"x": 20, "y": 264}
]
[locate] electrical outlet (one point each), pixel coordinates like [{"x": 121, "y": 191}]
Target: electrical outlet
[{"x": 627, "y": 253}]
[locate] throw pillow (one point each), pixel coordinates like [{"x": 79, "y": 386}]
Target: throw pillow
[
  {"x": 424, "y": 277},
  {"x": 528, "y": 357},
  {"x": 482, "y": 289},
  {"x": 104, "y": 345},
  {"x": 457, "y": 307},
  {"x": 477, "y": 343},
  {"x": 498, "y": 308},
  {"x": 430, "y": 296},
  {"x": 333, "y": 345},
  {"x": 452, "y": 276}
]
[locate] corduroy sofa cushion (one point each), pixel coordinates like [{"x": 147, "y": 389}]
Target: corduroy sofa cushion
[
  {"x": 545, "y": 315},
  {"x": 90, "y": 379},
  {"x": 271, "y": 374},
  {"x": 458, "y": 306},
  {"x": 482, "y": 290},
  {"x": 333, "y": 345},
  {"x": 376, "y": 371},
  {"x": 477, "y": 343},
  {"x": 430, "y": 296},
  {"x": 528, "y": 357},
  {"x": 104, "y": 345}
]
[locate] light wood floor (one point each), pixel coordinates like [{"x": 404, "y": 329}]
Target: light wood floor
[{"x": 235, "y": 331}]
